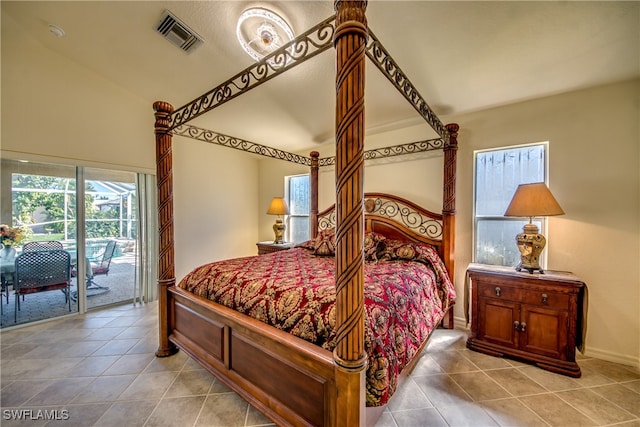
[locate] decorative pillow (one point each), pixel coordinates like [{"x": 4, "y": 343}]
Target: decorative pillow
[
  {"x": 325, "y": 243},
  {"x": 393, "y": 249},
  {"x": 397, "y": 249},
  {"x": 372, "y": 243}
]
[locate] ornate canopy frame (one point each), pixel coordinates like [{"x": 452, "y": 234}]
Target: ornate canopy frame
[{"x": 341, "y": 377}]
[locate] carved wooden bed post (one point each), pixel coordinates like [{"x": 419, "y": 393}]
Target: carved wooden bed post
[
  {"x": 449, "y": 203},
  {"x": 313, "y": 195},
  {"x": 349, "y": 355},
  {"x": 166, "y": 269}
]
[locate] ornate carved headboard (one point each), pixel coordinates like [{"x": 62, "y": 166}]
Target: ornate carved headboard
[{"x": 395, "y": 218}]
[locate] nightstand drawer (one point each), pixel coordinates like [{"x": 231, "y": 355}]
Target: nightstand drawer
[
  {"x": 497, "y": 290},
  {"x": 543, "y": 298}
]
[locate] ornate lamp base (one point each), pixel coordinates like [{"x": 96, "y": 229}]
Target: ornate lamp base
[
  {"x": 530, "y": 244},
  {"x": 278, "y": 229}
]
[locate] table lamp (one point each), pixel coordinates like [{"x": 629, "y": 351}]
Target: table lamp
[
  {"x": 532, "y": 200},
  {"x": 278, "y": 207}
]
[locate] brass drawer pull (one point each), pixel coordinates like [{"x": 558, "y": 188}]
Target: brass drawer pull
[
  {"x": 545, "y": 298},
  {"x": 523, "y": 327},
  {"x": 498, "y": 291},
  {"x": 516, "y": 324}
]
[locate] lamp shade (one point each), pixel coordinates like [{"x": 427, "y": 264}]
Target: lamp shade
[
  {"x": 278, "y": 206},
  {"x": 533, "y": 200}
]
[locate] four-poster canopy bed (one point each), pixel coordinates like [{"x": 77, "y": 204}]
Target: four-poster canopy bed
[{"x": 291, "y": 379}]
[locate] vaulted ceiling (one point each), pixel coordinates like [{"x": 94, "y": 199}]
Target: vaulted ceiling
[{"x": 461, "y": 56}]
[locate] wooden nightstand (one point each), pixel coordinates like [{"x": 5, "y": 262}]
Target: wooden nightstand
[
  {"x": 269, "y": 246},
  {"x": 534, "y": 317}
]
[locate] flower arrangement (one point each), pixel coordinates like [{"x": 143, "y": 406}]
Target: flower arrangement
[{"x": 11, "y": 236}]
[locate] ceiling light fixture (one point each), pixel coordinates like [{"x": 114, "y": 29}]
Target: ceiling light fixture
[{"x": 261, "y": 31}]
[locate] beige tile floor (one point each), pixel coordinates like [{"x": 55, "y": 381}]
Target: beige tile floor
[{"x": 99, "y": 369}]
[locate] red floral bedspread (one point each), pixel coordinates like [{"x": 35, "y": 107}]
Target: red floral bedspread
[{"x": 294, "y": 291}]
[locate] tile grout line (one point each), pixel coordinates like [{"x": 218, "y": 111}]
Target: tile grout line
[{"x": 633, "y": 416}]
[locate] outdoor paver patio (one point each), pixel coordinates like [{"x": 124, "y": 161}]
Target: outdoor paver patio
[{"x": 46, "y": 305}]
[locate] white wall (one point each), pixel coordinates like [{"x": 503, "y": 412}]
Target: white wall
[
  {"x": 54, "y": 110},
  {"x": 216, "y": 208},
  {"x": 594, "y": 141},
  {"x": 416, "y": 173},
  {"x": 271, "y": 174}
]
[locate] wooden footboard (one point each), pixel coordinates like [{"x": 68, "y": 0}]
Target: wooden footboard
[{"x": 288, "y": 379}]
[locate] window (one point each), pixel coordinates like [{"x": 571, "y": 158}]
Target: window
[
  {"x": 497, "y": 175},
  {"x": 42, "y": 199},
  {"x": 297, "y": 196}
]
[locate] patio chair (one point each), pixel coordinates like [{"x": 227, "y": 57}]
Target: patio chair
[
  {"x": 45, "y": 245},
  {"x": 6, "y": 275},
  {"x": 3, "y": 290},
  {"x": 5, "y": 281},
  {"x": 42, "y": 246},
  {"x": 40, "y": 271},
  {"x": 102, "y": 267}
]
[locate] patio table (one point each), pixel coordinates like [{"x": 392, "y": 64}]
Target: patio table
[{"x": 8, "y": 268}]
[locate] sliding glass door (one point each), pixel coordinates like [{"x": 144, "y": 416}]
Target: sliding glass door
[
  {"x": 39, "y": 204},
  {"x": 103, "y": 236},
  {"x": 111, "y": 236}
]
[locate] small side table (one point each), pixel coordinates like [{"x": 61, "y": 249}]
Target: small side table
[
  {"x": 534, "y": 317},
  {"x": 270, "y": 246}
]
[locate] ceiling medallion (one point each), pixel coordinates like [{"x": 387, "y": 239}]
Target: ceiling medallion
[{"x": 261, "y": 31}]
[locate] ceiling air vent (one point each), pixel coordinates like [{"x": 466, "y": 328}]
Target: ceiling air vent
[{"x": 178, "y": 33}]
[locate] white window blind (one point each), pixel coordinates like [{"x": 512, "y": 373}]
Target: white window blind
[
  {"x": 297, "y": 196},
  {"x": 497, "y": 175}
]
